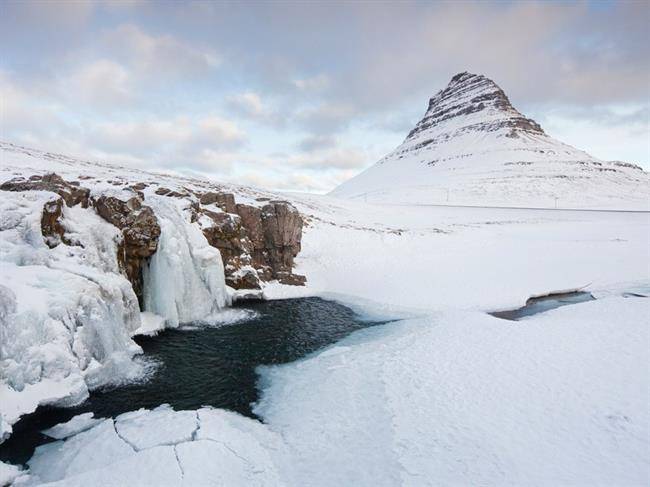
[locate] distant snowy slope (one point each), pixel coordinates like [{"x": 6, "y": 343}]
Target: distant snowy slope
[{"x": 474, "y": 148}]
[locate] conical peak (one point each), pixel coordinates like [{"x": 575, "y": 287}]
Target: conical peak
[
  {"x": 467, "y": 86},
  {"x": 473, "y": 100}
]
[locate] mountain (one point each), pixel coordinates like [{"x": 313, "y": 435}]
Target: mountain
[{"x": 472, "y": 147}]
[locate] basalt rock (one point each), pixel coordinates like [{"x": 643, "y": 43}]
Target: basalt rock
[
  {"x": 227, "y": 233},
  {"x": 71, "y": 192},
  {"x": 275, "y": 232},
  {"x": 282, "y": 226},
  {"x": 168, "y": 192},
  {"x": 140, "y": 230},
  {"x": 244, "y": 278},
  {"x": 225, "y": 201},
  {"x": 256, "y": 244},
  {"x": 51, "y": 223}
]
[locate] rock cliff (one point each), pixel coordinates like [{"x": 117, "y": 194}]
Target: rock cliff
[{"x": 257, "y": 243}]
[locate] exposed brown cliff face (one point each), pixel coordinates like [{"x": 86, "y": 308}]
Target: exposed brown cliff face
[
  {"x": 51, "y": 223},
  {"x": 225, "y": 201},
  {"x": 256, "y": 244},
  {"x": 282, "y": 227},
  {"x": 140, "y": 230},
  {"x": 71, "y": 192}
]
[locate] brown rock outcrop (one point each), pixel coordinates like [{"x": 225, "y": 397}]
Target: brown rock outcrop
[
  {"x": 255, "y": 243},
  {"x": 51, "y": 225},
  {"x": 282, "y": 227},
  {"x": 71, "y": 192},
  {"x": 140, "y": 230},
  {"x": 225, "y": 201}
]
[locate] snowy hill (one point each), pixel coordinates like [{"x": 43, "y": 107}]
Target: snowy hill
[
  {"x": 445, "y": 396},
  {"x": 474, "y": 148}
]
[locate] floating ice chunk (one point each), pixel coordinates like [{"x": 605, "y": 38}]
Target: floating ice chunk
[
  {"x": 156, "y": 466},
  {"x": 151, "y": 324},
  {"x": 207, "y": 462},
  {"x": 90, "y": 450},
  {"x": 76, "y": 425},
  {"x": 248, "y": 439},
  {"x": 9, "y": 473},
  {"x": 224, "y": 317},
  {"x": 67, "y": 391},
  {"x": 161, "y": 426}
]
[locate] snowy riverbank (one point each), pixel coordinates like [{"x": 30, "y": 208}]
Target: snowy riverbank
[{"x": 453, "y": 398}]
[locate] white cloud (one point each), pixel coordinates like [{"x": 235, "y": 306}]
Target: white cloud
[
  {"x": 159, "y": 56},
  {"x": 221, "y": 131},
  {"x": 247, "y": 104},
  {"x": 180, "y": 134},
  {"x": 315, "y": 83},
  {"x": 326, "y": 117},
  {"x": 317, "y": 142},
  {"x": 101, "y": 83}
]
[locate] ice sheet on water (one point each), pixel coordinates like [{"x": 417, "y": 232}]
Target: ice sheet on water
[
  {"x": 120, "y": 370},
  {"x": 8, "y": 473},
  {"x": 92, "y": 449},
  {"x": 161, "y": 426},
  {"x": 76, "y": 425},
  {"x": 225, "y": 317},
  {"x": 456, "y": 398}
]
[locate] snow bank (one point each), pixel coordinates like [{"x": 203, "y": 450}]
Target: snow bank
[
  {"x": 432, "y": 258},
  {"x": 66, "y": 314},
  {"x": 462, "y": 398},
  {"x": 184, "y": 281}
]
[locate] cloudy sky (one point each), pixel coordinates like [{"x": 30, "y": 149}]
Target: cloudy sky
[{"x": 303, "y": 95}]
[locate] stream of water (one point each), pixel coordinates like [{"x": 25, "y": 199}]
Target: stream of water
[{"x": 206, "y": 365}]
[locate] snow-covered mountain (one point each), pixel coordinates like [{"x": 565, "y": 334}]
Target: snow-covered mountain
[{"x": 474, "y": 148}]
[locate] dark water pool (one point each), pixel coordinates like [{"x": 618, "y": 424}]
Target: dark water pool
[
  {"x": 544, "y": 303},
  {"x": 206, "y": 365}
]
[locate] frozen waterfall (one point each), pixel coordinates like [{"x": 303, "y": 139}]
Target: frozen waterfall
[{"x": 184, "y": 280}]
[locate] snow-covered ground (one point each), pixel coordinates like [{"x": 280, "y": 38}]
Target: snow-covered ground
[
  {"x": 447, "y": 396},
  {"x": 454, "y": 398},
  {"x": 434, "y": 258}
]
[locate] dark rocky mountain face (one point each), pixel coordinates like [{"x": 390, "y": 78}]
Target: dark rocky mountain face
[{"x": 470, "y": 94}]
